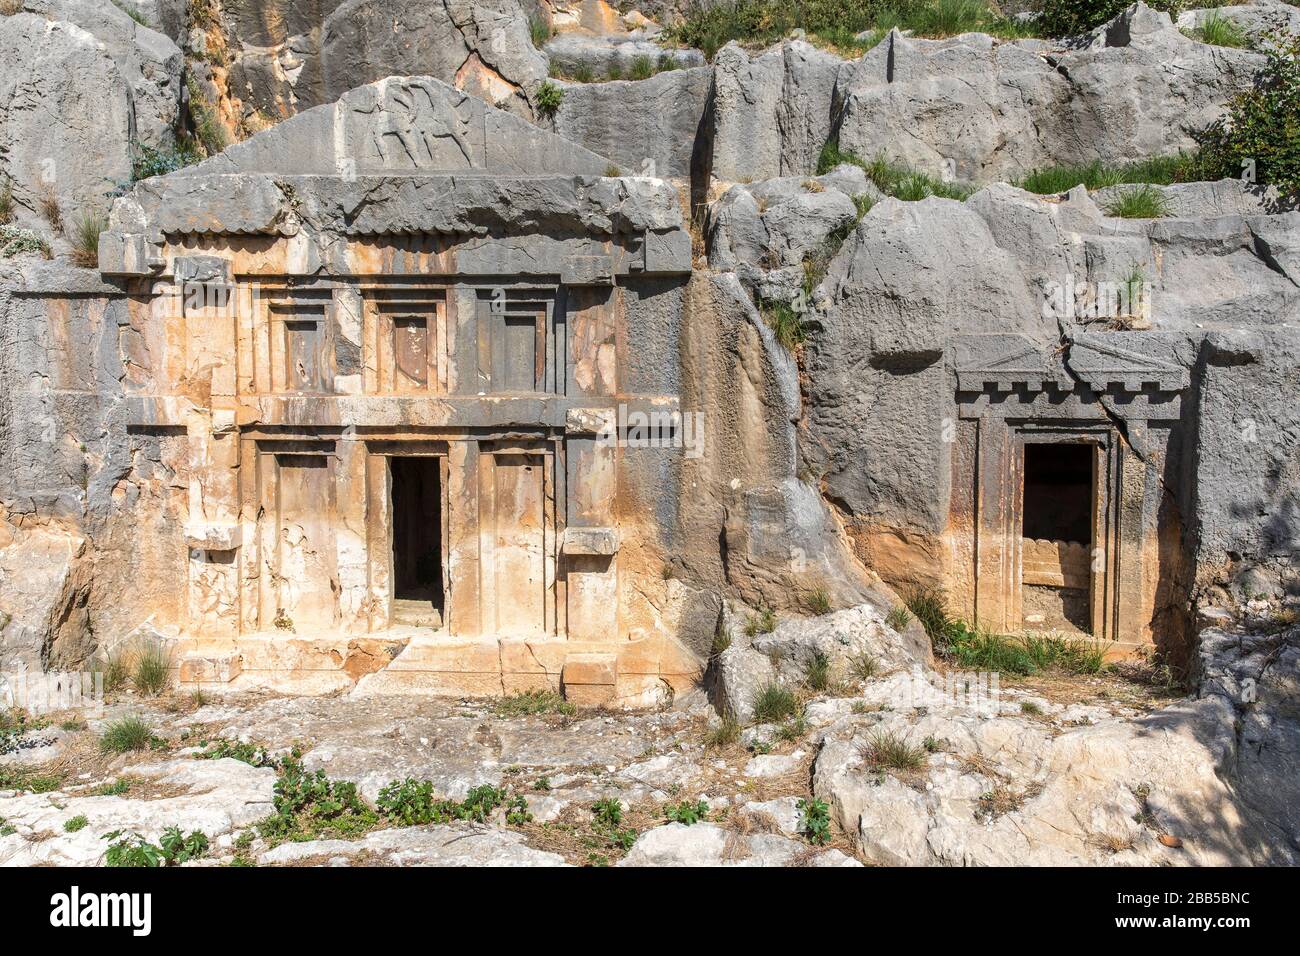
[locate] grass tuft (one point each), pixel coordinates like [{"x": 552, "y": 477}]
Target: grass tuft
[
  {"x": 85, "y": 237},
  {"x": 126, "y": 734},
  {"x": 818, "y": 601},
  {"x": 150, "y": 669},
  {"x": 774, "y": 703},
  {"x": 1218, "y": 30},
  {"x": 817, "y": 673},
  {"x": 1140, "y": 202},
  {"x": 885, "y": 750},
  {"x": 529, "y": 702}
]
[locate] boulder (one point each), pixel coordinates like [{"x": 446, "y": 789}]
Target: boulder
[
  {"x": 45, "y": 582},
  {"x": 1256, "y": 19}
]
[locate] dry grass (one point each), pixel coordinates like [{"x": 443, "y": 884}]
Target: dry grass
[
  {"x": 1111, "y": 843},
  {"x": 49, "y": 206}
]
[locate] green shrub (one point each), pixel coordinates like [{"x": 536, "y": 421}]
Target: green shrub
[
  {"x": 893, "y": 179},
  {"x": 133, "y": 850},
  {"x": 549, "y": 98},
  {"x": 1139, "y": 202},
  {"x": 1261, "y": 129},
  {"x": 126, "y": 734},
  {"x": 814, "y": 820},
  {"x": 16, "y": 241},
  {"x": 774, "y": 703},
  {"x": 79, "y": 822},
  {"x": 149, "y": 161},
  {"x": 116, "y": 668},
  {"x": 6, "y": 201},
  {"x": 642, "y": 68},
  {"x": 248, "y": 753},
  {"x": 1067, "y": 18}
]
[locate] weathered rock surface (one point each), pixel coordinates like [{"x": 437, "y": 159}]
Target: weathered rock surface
[
  {"x": 216, "y": 797},
  {"x": 75, "y": 91},
  {"x": 1003, "y": 790},
  {"x": 706, "y": 844},
  {"x": 603, "y": 55},
  {"x": 462, "y": 844},
  {"x": 648, "y": 127},
  {"x": 982, "y": 110},
  {"x": 1256, "y": 19},
  {"x": 751, "y": 663}
]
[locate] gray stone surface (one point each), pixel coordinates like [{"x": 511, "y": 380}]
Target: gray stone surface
[
  {"x": 983, "y": 110},
  {"x": 647, "y": 127},
  {"x": 461, "y": 844},
  {"x": 604, "y": 55},
  {"x": 58, "y": 69},
  {"x": 705, "y": 844}
]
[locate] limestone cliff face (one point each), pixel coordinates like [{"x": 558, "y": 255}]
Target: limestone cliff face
[{"x": 880, "y": 437}]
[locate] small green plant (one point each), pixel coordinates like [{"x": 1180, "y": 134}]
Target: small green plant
[
  {"x": 814, "y": 820},
  {"x": 549, "y": 98},
  {"x": 931, "y": 744},
  {"x": 613, "y": 172},
  {"x": 774, "y": 703},
  {"x": 133, "y": 13},
  {"x": 150, "y": 669},
  {"x": 517, "y": 812},
  {"x": 115, "y": 789},
  {"x": 79, "y": 822},
  {"x": 528, "y": 702},
  {"x": 687, "y": 813},
  {"x": 886, "y": 750},
  {"x": 792, "y": 730},
  {"x": 863, "y": 666},
  {"x": 721, "y": 639},
  {"x": 248, "y": 753},
  {"x": 642, "y": 68},
  {"x": 898, "y": 617},
  {"x": 16, "y": 241},
  {"x": 73, "y": 724},
  {"x": 115, "y": 667},
  {"x": 149, "y": 161},
  {"x": 539, "y": 31},
  {"x": 207, "y": 124},
  {"x": 786, "y": 324},
  {"x": 180, "y": 847},
  {"x": 542, "y": 784},
  {"x": 126, "y": 734},
  {"x": 6, "y": 201},
  {"x": 818, "y": 602},
  {"x": 1031, "y": 708},
  {"x": 1139, "y": 202},
  {"x": 817, "y": 673},
  {"x": 133, "y": 850},
  {"x": 608, "y": 811},
  {"x": 308, "y": 804}
]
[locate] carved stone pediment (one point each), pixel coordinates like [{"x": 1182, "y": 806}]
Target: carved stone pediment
[
  {"x": 1129, "y": 360},
  {"x": 1000, "y": 363}
]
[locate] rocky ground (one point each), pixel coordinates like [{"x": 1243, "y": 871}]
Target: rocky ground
[{"x": 886, "y": 768}]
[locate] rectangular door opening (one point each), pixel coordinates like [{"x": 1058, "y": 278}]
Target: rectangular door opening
[
  {"x": 1057, "y": 516},
  {"x": 417, "y": 540}
]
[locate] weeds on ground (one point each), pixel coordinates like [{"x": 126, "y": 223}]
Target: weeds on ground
[
  {"x": 529, "y": 702},
  {"x": 126, "y": 734},
  {"x": 687, "y": 813}
]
